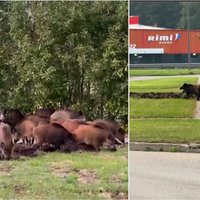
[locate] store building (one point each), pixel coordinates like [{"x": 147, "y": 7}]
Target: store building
[{"x": 150, "y": 44}]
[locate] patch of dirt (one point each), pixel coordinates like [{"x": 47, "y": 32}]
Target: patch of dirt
[
  {"x": 84, "y": 175},
  {"x": 19, "y": 189},
  {"x": 116, "y": 179},
  {"x": 87, "y": 176},
  {"x": 62, "y": 173},
  {"x": 157, "y": 95},
  {"x": 114, "y": 196},
  {"x": 5, "y": 171},
  {"x": 106, "y": 195},
  {"x": 24, "y": 150},
  {"x": 119, "y": 196}
]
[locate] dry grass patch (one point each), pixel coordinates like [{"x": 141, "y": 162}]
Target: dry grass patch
[
  {"x": 83, "y": 176},
  {"x": 5, "y": 171},
  {"x": 87, "y": 176}
]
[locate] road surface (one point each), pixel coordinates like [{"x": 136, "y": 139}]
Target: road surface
[{"x": 164, "y": 176}]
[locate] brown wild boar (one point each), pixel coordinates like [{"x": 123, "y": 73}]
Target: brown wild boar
[
  {"x": 6, "y": 143},
  {"x": 24, "y": 130},
  {"x": 36, "y": 119},
  {"x": 114, "y": 127},
  {"x": 71, "y": 125},
  {"x": 53, "y": 134},
  {"x": 94, "y": 136}
]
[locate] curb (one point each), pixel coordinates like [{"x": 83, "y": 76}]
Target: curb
[{"x": 166, "y": 147}]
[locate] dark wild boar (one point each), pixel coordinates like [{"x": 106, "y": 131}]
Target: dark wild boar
[
  {"x": 13, "y": 116},
  {"x": 190, "y": 90},
  {"x": 45, "y": 112},
  {"x": 53, "y": 134}
]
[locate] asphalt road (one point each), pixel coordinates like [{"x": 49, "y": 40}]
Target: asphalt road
[{"x": 164, "y": 176}]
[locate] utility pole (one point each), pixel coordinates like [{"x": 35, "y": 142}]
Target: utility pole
[{"x": 188, "y": 31}]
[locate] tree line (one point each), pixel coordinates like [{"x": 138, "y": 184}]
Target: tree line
[
  {"x": 72, "y": 54},
  {"x": 167, "y": 14}
]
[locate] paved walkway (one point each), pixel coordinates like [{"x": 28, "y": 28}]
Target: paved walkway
[
  {"x": 140, "y": 78},
  {"x": 197, "y": 111}
]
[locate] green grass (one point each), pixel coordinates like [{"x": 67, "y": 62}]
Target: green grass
[
  {"x": 163, "y": 72},
  {"x": 165, "y": 130},
  {"x": 161, "y": 85},
  {"x": 38, "y": 178},
  {"x": 162, "y": 108}
]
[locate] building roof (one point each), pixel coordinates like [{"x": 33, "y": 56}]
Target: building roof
[{"x": 139, "y": 26}]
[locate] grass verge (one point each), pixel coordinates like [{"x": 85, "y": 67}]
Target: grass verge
[
  {"x": 161, "y": 85},
  {"x": 165, "y": 130},
  {"x": 162, "y": 108},
  {"x": 66, "y": 176},
  {"x": 163, "y": 72}
]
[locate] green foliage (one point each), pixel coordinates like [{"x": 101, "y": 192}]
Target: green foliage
[
  {"x": 161, "y": 14},
  {"x": 167, "y": 14},
  {"x": 191, "y": 9},
  {"x": 65, "y": 54}
]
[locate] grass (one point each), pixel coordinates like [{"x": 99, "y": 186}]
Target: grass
[
  {"x": 163, "y": 72},
  {"x": 162, "y": 108},
  {"x": 161, "y": 85},
  {"x": 165, "y": 130},
  {"x": 36, "y": 178}
]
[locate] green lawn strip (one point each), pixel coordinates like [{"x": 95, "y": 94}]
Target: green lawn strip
[
  {"x": 165, "y": 130},
  {"x": 162, "y": 108},
  {"x": 161, "y": 85},
  {"x": 56, "y": 176},
  {"x": 163, "y": 72}
]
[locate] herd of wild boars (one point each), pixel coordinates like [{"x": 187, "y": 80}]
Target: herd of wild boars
[{"x": 64, "y": 130}]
